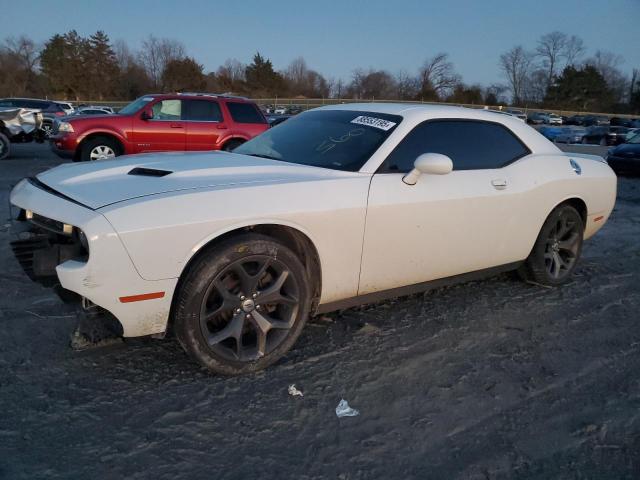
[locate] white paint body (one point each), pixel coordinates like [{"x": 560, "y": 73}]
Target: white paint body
[{"x": 372, "y": 231}]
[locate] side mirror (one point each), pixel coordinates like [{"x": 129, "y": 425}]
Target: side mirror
[
  {"x": 146, "y": 115},
  {"x": 432, "y": 163}
]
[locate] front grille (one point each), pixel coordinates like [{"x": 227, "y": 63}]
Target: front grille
[
  {"x": 49, "y": 224},
  {"x": 24, "y": 251}
]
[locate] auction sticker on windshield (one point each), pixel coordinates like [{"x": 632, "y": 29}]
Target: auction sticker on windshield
[{"x": 380, "y": 123}]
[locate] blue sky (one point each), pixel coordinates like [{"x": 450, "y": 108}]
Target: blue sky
[{"x": 337, "y": 36}]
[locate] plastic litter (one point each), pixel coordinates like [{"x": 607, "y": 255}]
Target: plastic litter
[
  {"x": 344, "y": 410},
  {"x": 294, "y": 392}
]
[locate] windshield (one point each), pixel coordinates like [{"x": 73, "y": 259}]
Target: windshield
[
  {"x": 134, "y": 106},
  {"x": 336, "y": 139},
  {"x": 634, "y": 139}
]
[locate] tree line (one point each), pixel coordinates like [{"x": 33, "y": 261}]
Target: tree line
[{"x": 553, "y": 74}]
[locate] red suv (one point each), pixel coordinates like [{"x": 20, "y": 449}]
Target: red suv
[{"x": 159, "y": 123}]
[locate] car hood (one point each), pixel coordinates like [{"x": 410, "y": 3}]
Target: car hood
[{"x": 105, "y": 182}]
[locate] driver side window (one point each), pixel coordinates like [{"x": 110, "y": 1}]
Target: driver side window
[
  {"x": 471, "y": 145},
  {"x": 169, "y": 110}
]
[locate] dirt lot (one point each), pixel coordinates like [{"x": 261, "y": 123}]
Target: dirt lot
[{"x": 493, "y": 379}]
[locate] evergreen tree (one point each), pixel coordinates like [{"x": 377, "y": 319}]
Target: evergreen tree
[
  {"x": 182, "y": 75},
  {"x": 101, "y": 66},
  {"x": 262, "y": 79},
  {"x": 579, "y": 89}
]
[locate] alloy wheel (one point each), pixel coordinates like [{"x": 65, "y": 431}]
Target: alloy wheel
[
  {"x": 561, "y": 250},
  {"x": 101, "y": 152},
  {"x": 47, "y": 130},
  {"x": 249, "y": 308}
]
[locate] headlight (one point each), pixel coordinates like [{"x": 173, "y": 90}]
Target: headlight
[{"x": 65, "y": 127}]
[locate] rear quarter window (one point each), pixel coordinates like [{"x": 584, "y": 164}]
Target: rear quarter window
[{"x": 245, "y": 113}]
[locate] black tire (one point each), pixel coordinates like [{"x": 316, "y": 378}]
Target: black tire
[
  {"x": 5, "y": 146},
  {"x": 557, "y": 248},
  {"x": 221, "y": 326},
  {"x": 106, "y": 144},
  {"x": 603, "y": 142},
  {"x": 232, "y": 144}
]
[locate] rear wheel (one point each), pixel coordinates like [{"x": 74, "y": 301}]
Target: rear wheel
[
  {"x": 243, "y": 305},
  {"x": 5, "y": 146},
  {"x": 99, "y": 148},
  {"x": 232, "y": 145},
  {"x": 557, "y": 248}
]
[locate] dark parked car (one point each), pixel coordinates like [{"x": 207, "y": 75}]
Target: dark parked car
[
  {"x": 277, "y": 119},
  {"x": 621, "y": 122},
  {"x": 50, "y": 110},
  {"x": 595, "y": 120},
  {"x": 625, "y": 158},
  {"x": 575, "y": 120},
  {"x": 605, "y": 135}
]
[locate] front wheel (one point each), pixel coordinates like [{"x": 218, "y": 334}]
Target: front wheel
[
  {"x": 557, "y": 248},
  {"x": 100, "y": 148},
  {"x": 47, "y": 130},
  {"x": 242, "y": 305}
]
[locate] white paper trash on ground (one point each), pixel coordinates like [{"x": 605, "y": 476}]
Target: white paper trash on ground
[
  {"x": 294, "y": 392},
  {"x": 344, "y": 410}
]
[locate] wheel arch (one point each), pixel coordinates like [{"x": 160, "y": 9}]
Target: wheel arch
[
  {"x": 232, "y": 138},
  {"x": 92, "y": 135},
  {"x": 578, "y": 204},
  {"x": 294, "y": 238}
]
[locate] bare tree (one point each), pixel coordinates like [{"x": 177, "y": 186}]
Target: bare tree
[
  {"x": 635, "y": 74},
  {"x": 608, "y": 65},
  {"x": 304, "y": 81},
  {"x": 124, "y": 57},
  {"x": 21, "y": 60},
  {"x": 296, "y": 71},
  {"x": 25, "y": 50},
  {"x": 574, "y": 49},
  {"x": 156, "y": 53},
  {"x": 551, "y": 48},
  {"x": 437, "y": 74},
  {"x": 232, "y": 70},
  {"x": 516, "y": 66},
  {"x": 407, "y": 85},
  {"x": 336, "y": 88},
  {"x": 371, "y": 84}
]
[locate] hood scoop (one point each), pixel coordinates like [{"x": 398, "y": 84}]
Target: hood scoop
[{"x": 148, "y": 172}]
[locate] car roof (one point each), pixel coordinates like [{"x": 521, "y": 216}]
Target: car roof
[
  {"x": 415, "y": 113},
  {"x": 425, "y": 110},
  {"x": 195, "y": 95}
]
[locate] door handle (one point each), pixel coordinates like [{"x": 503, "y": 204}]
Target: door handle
[
  {"x": 499, "y": 183},
  {"x": 221, "y": 127},
  {"x": 176, "y": 125}
]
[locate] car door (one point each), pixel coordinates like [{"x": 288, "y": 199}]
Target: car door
[
  {"x": 444, "y": 225},
  {"x": 159, "y": 127},
  {"x": 204, "y": 124}
]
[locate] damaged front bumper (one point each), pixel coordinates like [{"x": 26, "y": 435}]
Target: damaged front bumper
[{"x": 75, "y": 249}]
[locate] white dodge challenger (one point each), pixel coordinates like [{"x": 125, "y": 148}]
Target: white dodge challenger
[{"x": 338, "y": 206}]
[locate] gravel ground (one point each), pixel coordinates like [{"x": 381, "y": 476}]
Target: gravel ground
[{"x": 491, "y": 379}]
